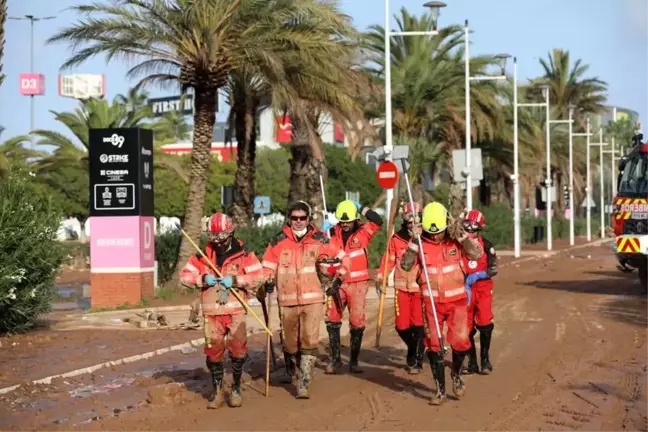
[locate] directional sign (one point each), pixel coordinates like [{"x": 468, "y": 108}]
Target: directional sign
[
  {"x": 387, "y": 175},
  {"x": 261, "y": 205}
]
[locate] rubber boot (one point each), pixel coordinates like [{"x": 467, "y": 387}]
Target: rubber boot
[
  {"x": 458, "y": 386},
  {"x": 472, "y": 367},
  {"x": 215, "y": 399},
  {"x": 438, "y": 372},
  {"x": 334, "y": 345},
  {"x": 236, "y": 398},
  {"x": 356, "y": 344},
  {"x": 289, "y": 374},
  {"x": 305, "y": 376},
  {"x": 418, "y": 340},
  {"x": 485, "y": 334},
  {"x": 407, "y": 336}
]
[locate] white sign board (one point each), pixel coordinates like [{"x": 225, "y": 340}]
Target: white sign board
[
  {"x": 552, "y": 194},
  {"x": 459, "y": 165}
]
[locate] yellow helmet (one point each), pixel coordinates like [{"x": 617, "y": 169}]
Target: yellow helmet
[
  {"x": 435, "y": 218},
  {"x": 346, "y": 211}
]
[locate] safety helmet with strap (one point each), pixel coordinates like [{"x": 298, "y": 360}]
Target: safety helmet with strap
[
  {"x": 435, "y": 218},
  {"x": 407, "y": 213},
  {"x": 347, "y": 211},
  {"x": 474, "y": 221},
  {"x": 219, "y": 227}
]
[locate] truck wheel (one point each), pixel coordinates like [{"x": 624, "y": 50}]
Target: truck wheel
[{"x": 643, "y": 275}]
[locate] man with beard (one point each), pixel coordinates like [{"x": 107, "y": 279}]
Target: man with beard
[
  {"x": 292, "y": 259},
  {"x": 353, "y": 237},
  {"x": 407, "y": 305},
  {"x": 224, "y": 315}
]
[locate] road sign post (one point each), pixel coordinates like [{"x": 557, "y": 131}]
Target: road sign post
[{"x": 261, "y": 205}]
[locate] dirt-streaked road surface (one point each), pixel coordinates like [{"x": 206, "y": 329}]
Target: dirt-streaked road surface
[{"x": 569, "y": 353}]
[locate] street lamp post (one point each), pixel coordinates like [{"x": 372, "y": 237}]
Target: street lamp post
[
  {"x": 600, "y": 145},
  {"x": 31, "y": 19},
  {"x": 502, "y": 58},
  {"x": 545, "y": 105},
  {"x": 435, "y": 8},
  {"x": 571, "y": 169},
  {"x": 588, "y": 197}
]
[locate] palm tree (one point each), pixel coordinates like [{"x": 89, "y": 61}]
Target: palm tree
[
  {"x": 12, "y": 152},
  {"x": 3, "y": 19},
  {"x": 428, "y": 100},
  {"x": 171, "y": 127},
  {"x": 195, "y": 44}
]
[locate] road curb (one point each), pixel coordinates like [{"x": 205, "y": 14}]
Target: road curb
[{"x": 201, "y": 341}]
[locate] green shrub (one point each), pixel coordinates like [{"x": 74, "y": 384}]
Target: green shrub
[
  {"x": 30, "y": 254},
  {"x": 167, "y": 247}
]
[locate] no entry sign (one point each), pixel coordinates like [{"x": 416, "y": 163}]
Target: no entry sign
[{"x": 387, "y": 175}]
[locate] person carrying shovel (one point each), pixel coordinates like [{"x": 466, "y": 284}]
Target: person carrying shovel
[{"x": 224, "y": 314}]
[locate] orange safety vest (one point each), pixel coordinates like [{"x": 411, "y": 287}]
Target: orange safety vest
[
  {"x": 293, "y": 264},
  {"x": 244, "y": 265},
  {"x": 356, "y": 248},
  {"x": 403, "y": 280},
  {"x": 445, "y": 266}
]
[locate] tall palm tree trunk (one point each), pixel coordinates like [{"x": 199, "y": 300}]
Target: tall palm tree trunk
[
  {"x": 3, "y": 19},
  {"x": 304, "y": 171},
  {"x": 245, "y": 123},
  {"x": 204, "y": 119}
]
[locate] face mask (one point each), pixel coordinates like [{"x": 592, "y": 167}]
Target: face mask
[{"x": 301, "y": 232}]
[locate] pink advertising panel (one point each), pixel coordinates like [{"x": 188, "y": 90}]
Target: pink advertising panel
[
  {"x": 32, "y": 84},
  {"x": 122, "y": 242}
]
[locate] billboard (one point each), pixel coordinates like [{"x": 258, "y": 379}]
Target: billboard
[
  {"x": 183, "y": 105},
  {"x": 31, "y": 84}
]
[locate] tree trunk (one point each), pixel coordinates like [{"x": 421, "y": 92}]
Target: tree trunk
[
  {"x": 204, "y": 119},
  {"x": 244, "y": 183},
  {"x": 304, "y": 171}
]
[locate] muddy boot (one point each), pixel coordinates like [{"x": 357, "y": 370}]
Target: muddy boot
[
  {"x": 356, "y": 344},
  {"x": 215, "y": 399},
  {"x": 438, "y": 372},
  {"x": 236, "y": 398},
  {"x": 289, "y": 374},
  {"x": 334, "y": 345},
  {"x": 408, "y": 337},
  {"x": 418, "y": 334},
  {"x": 458, "y": 386},
  {"x": 485, "y": 334},
  {"x": 472, "y": 367},
  {"x": 305, "y": 376}
]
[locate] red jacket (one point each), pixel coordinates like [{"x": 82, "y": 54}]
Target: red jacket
[
  {"x": 244, "y": 265},
  {"x": 403, "y": 280},
  {"x": 293, "y": 263},
  {"x": 356, "y": 248},
  {"x": 488, "y": 261}
]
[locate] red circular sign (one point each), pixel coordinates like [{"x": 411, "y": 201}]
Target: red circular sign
[{"x": 387, "y": 175}]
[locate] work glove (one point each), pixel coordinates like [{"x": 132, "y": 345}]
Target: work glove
[
  {"x": 269, "y": 287},
  {"x": 456, "y": 229},
  {"x": 468, "y": 293},
  {"x": 334, "y": 287},
  {"x": 227, "y": 281},
  {"x": 326, "y": 225},
  {"x": 209, "y": 280},
  {"x": 474, "y": 277},
  {"x": 378, "y": 288}
]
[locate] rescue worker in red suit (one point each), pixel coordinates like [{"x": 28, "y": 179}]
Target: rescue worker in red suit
[
  {"x": 444, "y": 257},
  {"x": 224, "y": 315},
  {"x": 407, "y": 306},
  {"x": 480, "y": 312},
  {"x": 291, "y": 259},
  {"x": 353, "y": 237}
]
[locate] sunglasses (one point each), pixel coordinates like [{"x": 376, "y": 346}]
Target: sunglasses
[
  {"x": 298, "y": 218},
  {"x": 471, "y": 227},
  {"x": 219, "y": 237}
]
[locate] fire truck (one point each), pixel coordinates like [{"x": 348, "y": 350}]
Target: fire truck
[{"x": 630, "y": 214}]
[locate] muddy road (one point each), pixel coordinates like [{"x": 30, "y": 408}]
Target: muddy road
[{"x": 569, "y": 352}]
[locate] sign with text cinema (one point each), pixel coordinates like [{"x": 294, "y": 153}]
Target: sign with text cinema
[{"x": 122, "y": 243}]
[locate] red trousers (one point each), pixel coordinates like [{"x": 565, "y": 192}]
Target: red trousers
[
  {"x": 455, "y": 315},
  {"x": 217, "y": 327},
  {"x": 480, "y": 312},
  {"x": 353, "y": 295},
  {"x": 408, "y": 310}
]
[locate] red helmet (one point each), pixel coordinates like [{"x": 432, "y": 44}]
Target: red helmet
[
  {"x": 476, "y": 219},
  {"x": 220, "y": 227},
  {"x": 407, "y": 212}
]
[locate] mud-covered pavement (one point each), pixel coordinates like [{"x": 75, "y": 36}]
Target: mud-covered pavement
[{"x": 569, "y": 352}]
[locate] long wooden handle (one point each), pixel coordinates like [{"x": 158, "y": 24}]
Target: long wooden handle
[
  {"x": 383, "y": 291},
  {"x": 211, "y": 264}
]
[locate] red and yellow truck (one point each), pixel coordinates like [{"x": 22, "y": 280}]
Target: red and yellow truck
[{"x": 630, "y": 216}]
